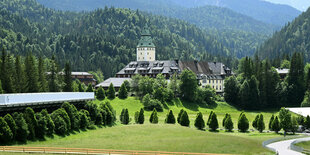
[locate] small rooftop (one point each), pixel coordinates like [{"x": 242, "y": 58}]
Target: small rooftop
[
  {"x": 117, "y": 82},
  {"x": 282, "y": 70}
]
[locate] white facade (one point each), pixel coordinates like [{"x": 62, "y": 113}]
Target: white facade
[
  {"x": 146, "y": 54},
  {"x": 216, "y": 83}
]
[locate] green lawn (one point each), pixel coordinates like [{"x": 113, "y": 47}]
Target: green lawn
[
  {"x": 305, "y": 145},
  {"x": 161, "y": 137}
]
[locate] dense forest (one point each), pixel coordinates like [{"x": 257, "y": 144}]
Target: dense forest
[{"x": 294, "y": 37}]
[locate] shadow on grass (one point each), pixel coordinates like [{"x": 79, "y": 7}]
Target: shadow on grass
[{"x": 190, "y": 105}]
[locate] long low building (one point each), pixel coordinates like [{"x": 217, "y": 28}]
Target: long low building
[
  {"x": 300, "y": 111},
  {"x": 41, "y": 99}
]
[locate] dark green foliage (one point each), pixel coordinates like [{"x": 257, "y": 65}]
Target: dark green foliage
[
  {"x": 108, "y": 113},
  {"x": 136, "y": 117},
  {"x": 11, "y": 123},
  {"x": 188, "y": 85},
  {"x": 224, "y": 119},
  {"x": 254, "y": 123},
  {"x": 50, "y": 124},
  {"x": 179, "y": 115},
  {"x": 31, "y": 74},
  {"x": 89, "y": 88},
  {"x": 99, "y": 119},
  {"x": 6, "y": 75},
  {"x": 184, "y": 121},
  {"x": 301, "y": 120},
  {"x": 84, "y": 119},
  {"x": 42, "y": 75},
  {"x": 276, "y": 127},
  {"x": 160, "y": 94},
  {"x": 6, "y": 134},
  {"x": 68, "y": 78},
  {"x": 154, "y": 117},
  {"x": 122, "y": 93},
  {"x": 307, "y": 122},
  {"x": 206, "y": 96},
  {"x": 294, "y": 127},
  {"x": 228, "y": 124},
  {"x": 63, "y": 124},
  {"x": 31, "y": 122},
  {"x": 53, "y": 82},
  {"x": 149, "y": 103},
  {"x": 260, "y": 123},
  {"x": 213, "y": 125},
  {"x": 20, "y": 81},
  {"x": 231, "y": 90},
  {"x": 124, "y": 117},
  {"x": 42, "y": 126},
  {"x": 306, "y": 101},
  {"x": 199, "y": 122},
  {"x": 270, "y": 123},
  {"x": 92, "y": 108},
  {"x": 21, "y": 128},
  {"x": 141, "y": 116},
  {"x": 243, "y": 123},
  {"x": 73, "y": 115},
  {"x": 210, "y": 117},
  {"x": 100, "y": 93},
  {"x": 285, "y": 119},
  {"x": 81, "y": 87},
  {"x": 111, "y": 92},
  {"x": 170, "y": 119},
  {"x": 1, "y": 90},
  {"x": 127, "y": 85}
]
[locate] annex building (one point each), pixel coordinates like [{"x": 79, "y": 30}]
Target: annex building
[{"x": 208, "y": 73}]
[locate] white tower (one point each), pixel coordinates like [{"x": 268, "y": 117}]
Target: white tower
[{"x": 146, "y": 48}]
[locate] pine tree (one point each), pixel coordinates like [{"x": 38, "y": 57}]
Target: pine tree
[
  {"x": 122, "y": 93},
  {"x": 243, "y": 123},
  {"x": 20, "y": 84},
  {"x": 127, "y": 85},
  {"x": 199, "y": 122},
  {"x": 285, "y": 119},
  {"x": 11, "y": 123},
  {"x": 53, "y": 77},
  {"x": 276, "y": 125},
  {"x": 1, "y": 90},
  {"x": 89, "y": 88},
  {"x": 84, "y": 119},
  {"x": 31, "y": 122},
  {"x": 307, "y": 122},
  {"x": 100, "y": 93},
  {"x": 50, "y": 124},
  {"x": 294, "y": 125},
  {"x": 81, "y": 88},
  {"x": 231, "y": 90},
  {"x": 170, "y": 119},
  {"x": 32, "y": 75},
  {"x": 184, "y": 119},
  {"x": 141, "y": 116},
  {"x": 254, "y": 123},
  {"x": 22, "y": 131},
  {"x": 6, "y": 134},
  {"x": 213, "y": 125},
  {"x": 270, "y": 123},
  {"x": 136, "y": 117},
  {"x": 224, "y": 119},
  {"x": 260, "y": 123},
  {"x": 179, "y": 115},
  {"x": 154, "y": 117},
  {"x": 210, "y": 117},
  {"x": 6, "y": 78},
  {"x": 42, "y": 126},
  {"x": 229, "y": 125},
  {"x": 42, "y": 76},
  {"x": 124, "y": 117},
  {"x": 68, "y": 78},
  {"x": 111, "y": 92}
]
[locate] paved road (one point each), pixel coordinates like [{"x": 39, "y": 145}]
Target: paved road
[{"x": 283, "y": 147}]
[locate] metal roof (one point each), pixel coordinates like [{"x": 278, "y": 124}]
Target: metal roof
[
  {"x": 282, "y": 70},
  {"x": 300, "y": 111},
  {"x": 117, "y": 82}
]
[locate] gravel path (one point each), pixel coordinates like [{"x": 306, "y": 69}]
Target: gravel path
[{"x": 283, "y": 147}]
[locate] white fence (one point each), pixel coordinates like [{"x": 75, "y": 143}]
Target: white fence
[{"x": 12, "y": 100}]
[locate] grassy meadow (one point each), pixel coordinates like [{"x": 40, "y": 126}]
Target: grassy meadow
[{"x": 305, "y": 145}]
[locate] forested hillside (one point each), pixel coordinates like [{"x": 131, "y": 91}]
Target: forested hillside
[
  {"x": 104, "y": 39},
  {"x": 294, "y": 37}
]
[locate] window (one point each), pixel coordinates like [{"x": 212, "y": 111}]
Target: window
[
  {"x": 204, "y": 81},
  {"x": 212, "y": 81},
  {"x": 141, "y": 53},
  {"x": 216, "y": 87},
  {"x": 150, "y": 58},
  {"x": 220, "y": 81},
  {"x": 209, "y": 81},
  {"x": 216, "y": 81},
  {"x": 220, "y": 87}
]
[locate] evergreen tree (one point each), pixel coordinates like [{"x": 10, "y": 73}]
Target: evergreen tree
[
  {"x": 6, "y": 134},
  {"x": 31, "y": 122},
  {"x": 1, "y": 90},
  {"x": 307, "y": 122},
  {"x": 124, "y": 117},
  {"x": 49, "y": 123},
  {"x": 53, "y": 83},
  {"x": 100, "y": 93},
  {"x": 179, "y": 115},
  {"x": 260, "y": 123},
  {"x": 121, "y": 117},
  {"x": 254, "y": 123},
  {"x": 210, "y": 117},
  {"x": 141, "y": 116},
  {"x": 89, "y": 88},
  {"x": 73, "y": 115},
  {"x": 32, "y": 75},
  {"x": 127, "y": 85},
  {"x": 154, "y": 117},
  {"x": 6, "y": 77},
  {"x": 245, "y": 96},
  {"x": 199, "y": 122},
  {"x": 170, "y": 119},
  {"x": 188, "y": 85},
  {"x": 111, "y": 92},
  {"x": 11, "y": 123},
  {"x": 22, "y": 131},
  {"x": 184, "y": 121},
  {"x": 68, "y": 78},
  {"x": 84, "y": 119},
  {"x": 294, "y": 125},
  {"x": 81, "y": 87},
  {"x": 224, "y": 119},
  {"x": 253, "y": 104},
  {"x": 63, "y": 123},
  {"x": 213, "y": 125},
  {"x": 243, "y": 123},
  {"x": 276, "y": 127},
  {"x": 136, "y": 117},
  {"x": 122, "y": 93},
  {"x": 306, "y": 101},
  {"x": 231, "y": 90},
  {"x": 42, "y": 126},
  {"x": 42, "y": 76},
  {"x": 285, "y": 119},
  {"x": 229, "y": 125},
  {"x": 60, "y": 125},
  {"x": 20, "y": 84},
  {"x": 270, "y": 123}
]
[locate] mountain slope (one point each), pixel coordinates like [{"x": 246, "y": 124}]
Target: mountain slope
[{"x": 294, "y": 37}]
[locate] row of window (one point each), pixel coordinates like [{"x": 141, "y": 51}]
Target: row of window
[
  {"x": 142, "y": 53},
  {"x": 211, "y": 81},
  {"x": 143, "y": 58},
  {"x": 142, "y": 49}
]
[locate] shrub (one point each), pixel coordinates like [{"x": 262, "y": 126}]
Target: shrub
[
  {"x": 179, "y": 115},
  {"x": 136, "y": 117},
  {"x": 100, "y": 93},
  {"x": 31, "y": 122},
  {"x": 10, "y": 121},
  {"x": 41, "y": 131},
  {"x": 60, "y": 125},
  {"x": 270, "y": 123},
  {"x": 92, "y": 108},
  {"x": 209, "y": 119},
  {"x": 127, "y": 85},
  {"x": 260, "y": 123},
  {"x": 99, "y": 118},
  {"x": 170, "y": 119},
  {"x": 73, "y": 115},
  {"x": 111, "y": 92},
  {"x": 294, "y": 125},
  {"x": 213, "y": 125},
  {"x": 243, "y": 123},
  {"x": 228, "y": 124},
  {"x": 199, "y": 122},
  {"x": 84, "y": 119},
  {"x": 154, "y": 117},
  {"x": 122, "y": 93},
  {"x": 154, "y": 104},
  {"x": 50, "y": 126},
  {"x": 6, "y": 134},
  {"x": 285, "y": 119},
  {"x": 89, "y": 88},
  {"x": 307, "y": 122},
  {"x": 184, "y": 119},
  {"x": 124, "y": 117},
  {"x": 254, "y": 123},
  {"x": 224, "y": 119},
  {"x": 21, "y": 127},
  {"x": 141, "y": 116},
  {"x": 276, "y": 125}
]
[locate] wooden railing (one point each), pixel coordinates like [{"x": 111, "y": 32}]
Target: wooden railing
[{"x": 89, "y": 151}]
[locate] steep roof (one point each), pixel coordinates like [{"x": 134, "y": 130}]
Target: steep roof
[
  {"x": 117, "y": 82},
  {"x": 195, "y": 66},
  {"x": 146, "y": 38}
]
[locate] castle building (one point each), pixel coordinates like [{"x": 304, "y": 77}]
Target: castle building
[{"x": 146, "y": 47}]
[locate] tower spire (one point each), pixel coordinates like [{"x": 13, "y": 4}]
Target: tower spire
[{"x": 146, "y": 47}]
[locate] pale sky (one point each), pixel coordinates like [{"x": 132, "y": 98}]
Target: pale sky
[{"x": 301, "y": 5}]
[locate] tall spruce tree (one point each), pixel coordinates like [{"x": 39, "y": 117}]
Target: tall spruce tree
[
  {"x": 6, "y": 76},
  {"x": 231, "y": 91},
  {"x": 184, "y": 121},
  {"x": 68, "y": 78},
  {"x": 213, "y": 125},
  {"x": 20, "y": 82},
  {"x": 32, "y": 74},
  {"x": 199, "y": 122},
  {"x": 42, "y": 76},
  {"x": 6, "y": 134},
  {"x": 270, "y": 123},
  {"x": 122, "y": 93},
  {"x": 243, "y": 123},
  {"x": 276, "y": 127},
  {"x": 32, "y": 123},
  {"x": 170, "y": 119},
  {"x": 53, "y": 83},
  {"x": 111, "y": 92}
]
